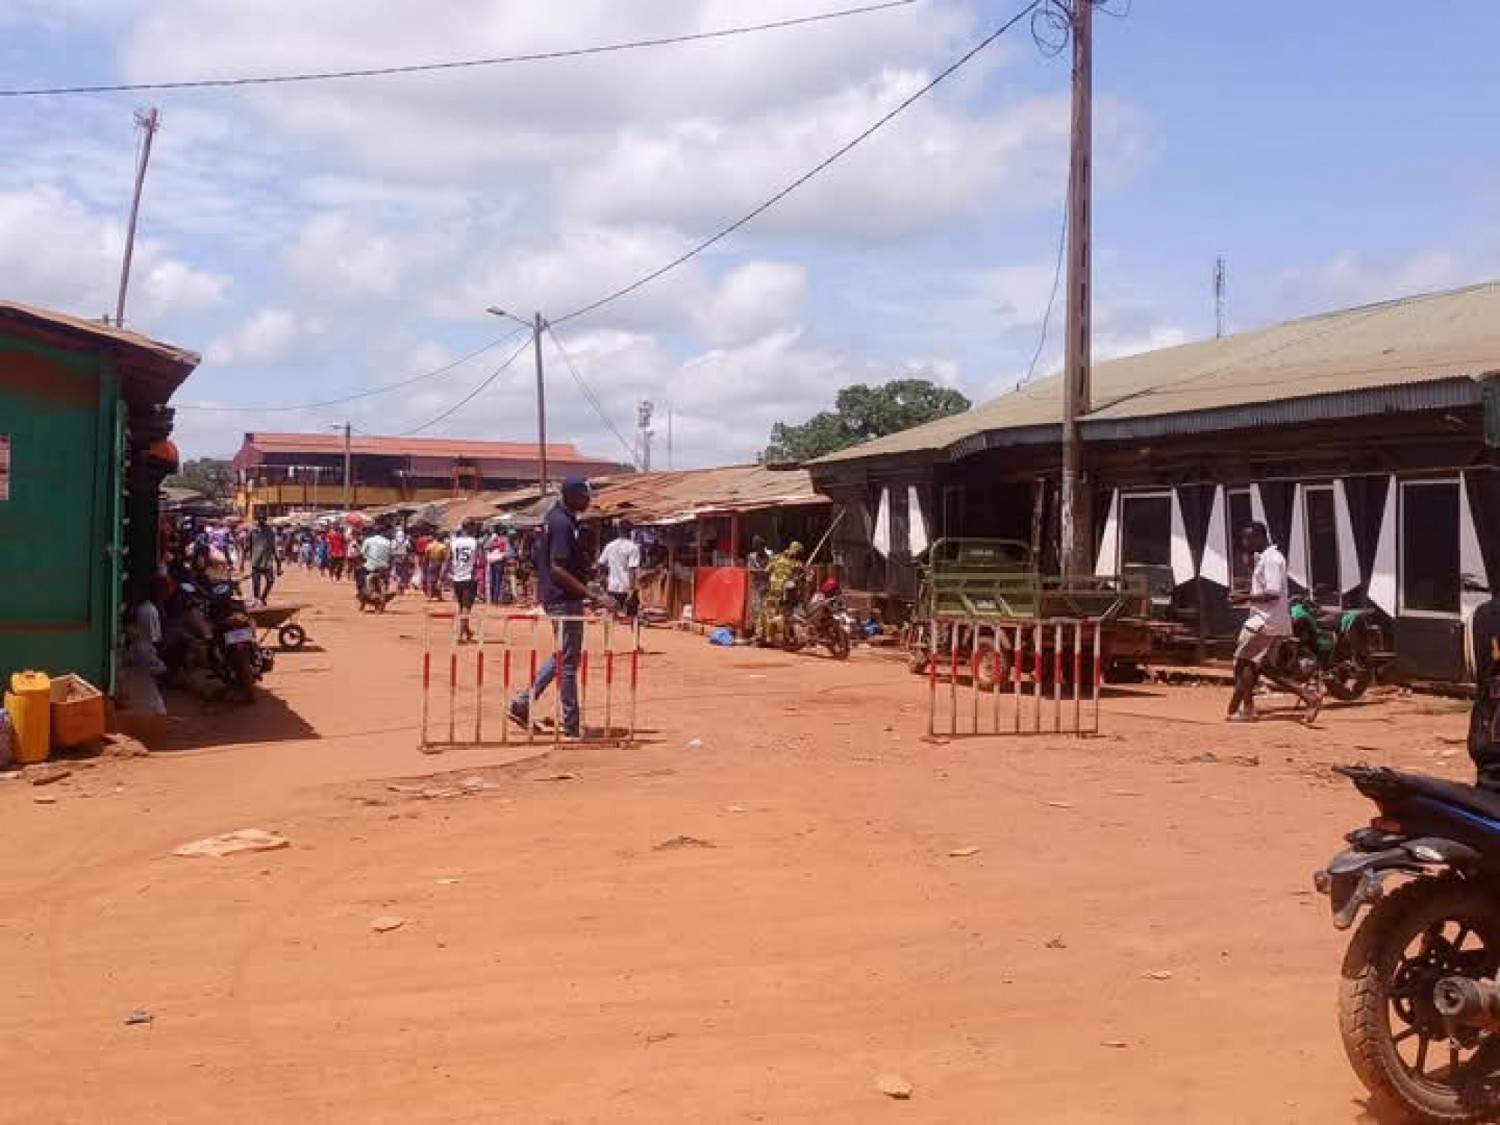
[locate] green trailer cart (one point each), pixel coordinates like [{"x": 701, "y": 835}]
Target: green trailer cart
[{"x": 975, "y": 593}]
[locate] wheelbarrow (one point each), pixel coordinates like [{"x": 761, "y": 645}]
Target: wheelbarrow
[{"x": 283, "y": 619}]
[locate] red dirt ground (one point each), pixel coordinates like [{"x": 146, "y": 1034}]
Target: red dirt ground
[{"x": 557, "y": 965}]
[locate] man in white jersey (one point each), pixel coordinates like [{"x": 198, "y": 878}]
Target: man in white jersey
[{"x": 464, "y": 550}]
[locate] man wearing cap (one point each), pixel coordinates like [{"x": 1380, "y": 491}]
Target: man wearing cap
[{"x": 562, "y": 572}]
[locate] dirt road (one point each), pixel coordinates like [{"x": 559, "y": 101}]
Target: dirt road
[{"x": 747, "y": 918}]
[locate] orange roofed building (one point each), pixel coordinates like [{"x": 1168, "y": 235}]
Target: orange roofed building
[{"x": 282, "y": 473}]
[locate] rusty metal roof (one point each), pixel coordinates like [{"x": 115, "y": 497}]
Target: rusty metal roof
[
  {"x": 1335, "y": 365},
  {"x": 150, "y": 370},
  {"x": 674, "y": 497},
  {"x": 563, "y": 453}
]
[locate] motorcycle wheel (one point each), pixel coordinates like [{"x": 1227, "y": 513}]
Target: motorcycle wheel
[
  {"x": 838, "y": 644},
  {"x": 1425, "y": 930},
  {"x": 1352, "y": 678},
  {"x": 917, "y": 660},
  {"x": 241, "y": 661}
]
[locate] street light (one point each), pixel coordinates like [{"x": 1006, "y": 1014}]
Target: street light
[
  {"x": 348, "y": 464},
  {"x": 536, "y": 327}
]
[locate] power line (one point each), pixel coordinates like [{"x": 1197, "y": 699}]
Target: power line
[
  {"x": 1062, "y": 244},
  {"x": 588, "y": 393},
  {"x": 806, "y": 176},
  {"x": 472, "y": 395},
  {"x": 461, "y": 64},
  {"x": 386, "y": 389}
]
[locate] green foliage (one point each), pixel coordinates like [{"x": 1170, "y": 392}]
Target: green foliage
[
  {"x": 861, "y": 413},
  {"x": 213, "y": 477}
]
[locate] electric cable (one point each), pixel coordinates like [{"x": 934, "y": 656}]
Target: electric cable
[
  {"x": 1062, "y": 244},
  {"x": 374, "y": 391},
  {"x": 588, "y": 393},
  {"x": 826, "y": 163},
  {"x": 460, "y": 64},
  {"x": 472, "y": 395}
]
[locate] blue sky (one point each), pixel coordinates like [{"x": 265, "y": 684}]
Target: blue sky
[{"x": 318, "y": 240}]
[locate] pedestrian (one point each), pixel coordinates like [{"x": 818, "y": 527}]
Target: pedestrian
[
  {"x": 464, "y": 555},
  {"x": 785, "y": 570},
  {"x": 401, "y": 560},
  {"x": 338, "y": 548},
  {"x": 562, "y": 570},
  {"x": 1267, "y": 625},
  {"x": 621, "y": 562},
  {"x": 758, "y": 566},
  {"x": 496, "y": 555},
  {"x": 264, "y": 565},
  {"x": 353, "y": 550},
  {"x": 436, "y": 560},
  {"x": 1484, "y": 720}
]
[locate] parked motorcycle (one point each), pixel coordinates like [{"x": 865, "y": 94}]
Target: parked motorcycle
[
  {"x": 225, "y": 635},
  {"x": 822, "y": 619},
  {"x": 1419, "y": 1003},
  {"x": 1340, "y": 648}
]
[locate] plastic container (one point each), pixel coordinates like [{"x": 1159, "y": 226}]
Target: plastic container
[
  {"x": 77, "y": 712},
  {"x": 29, "y": 703}
]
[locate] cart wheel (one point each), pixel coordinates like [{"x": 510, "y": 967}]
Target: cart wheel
[
  {"x": 989, "y": 667},
  {"x": 291, "y": 637}
]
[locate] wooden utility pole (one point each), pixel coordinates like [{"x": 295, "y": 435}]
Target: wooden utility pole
[
  {"x": 541, "y": 405},
  {"x": 1075, "y": 518},
  {"x": 148, "y": 121}
]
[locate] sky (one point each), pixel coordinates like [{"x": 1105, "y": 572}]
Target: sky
[{"x": 317, "y": 240}]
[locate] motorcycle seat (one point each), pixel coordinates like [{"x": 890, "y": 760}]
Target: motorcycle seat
[
  {"x": 1482, "y": 801},
  {"x": 1330, "y": 619}
]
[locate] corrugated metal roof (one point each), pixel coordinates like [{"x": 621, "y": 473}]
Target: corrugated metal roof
[
  {"x": 36, "y": 316},
  {"x": 673, "y": 497},
  {"x": 1316, "y": 363}
]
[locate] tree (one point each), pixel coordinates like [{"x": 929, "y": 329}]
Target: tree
[
  {"x": 209, "y": 475},
  {"x": 861, "y": 413}
]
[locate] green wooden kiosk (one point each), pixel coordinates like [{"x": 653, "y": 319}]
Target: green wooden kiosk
[{"x": 84, "y": 424}]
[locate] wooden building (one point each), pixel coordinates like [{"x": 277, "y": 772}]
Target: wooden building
[{"x": 1365, "y": 439}]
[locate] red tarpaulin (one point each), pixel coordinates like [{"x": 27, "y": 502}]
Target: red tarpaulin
[{"x": 719, "y": 594}]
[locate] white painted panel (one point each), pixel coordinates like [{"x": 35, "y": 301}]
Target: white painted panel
[
  {"x": 1383, "y": 575},
  {"x": 1296, "y": 549},
  {"x": 1215, "y": 546},
  {"x": 1470, "y": 557},
  {"x": 1257, "y": 508},
  {"x": 1349, "y": 574},
  {"x": 916, "y": 534},
  {"x": 1182, "y": 551},
  {"x": 1108, "y": 564},
  {"x": 881, "y": 539}
]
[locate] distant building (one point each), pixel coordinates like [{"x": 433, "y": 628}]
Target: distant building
[{"x": 281, "y": 473}]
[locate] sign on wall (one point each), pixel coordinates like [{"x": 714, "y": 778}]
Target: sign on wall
[{"x": 4, "y": 466}]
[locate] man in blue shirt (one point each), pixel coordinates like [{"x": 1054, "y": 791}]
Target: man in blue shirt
[{"x": 562, "y": 572}]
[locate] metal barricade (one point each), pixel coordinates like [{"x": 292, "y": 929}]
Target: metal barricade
[
  {"x": 471, "y": 696},
  {"x": 999, "y": 658}
]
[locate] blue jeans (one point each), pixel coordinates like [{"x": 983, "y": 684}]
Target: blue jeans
[
  {"x": 496, "y": 584},
  {"x": 569, "y": 636}
]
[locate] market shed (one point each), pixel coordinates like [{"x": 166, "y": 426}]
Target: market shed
[{"x": 84, "y": 446}]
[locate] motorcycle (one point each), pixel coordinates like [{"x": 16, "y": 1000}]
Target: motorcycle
[
  {"x": 372, "y": 590},
  {"x": 225, "y": 633},
  {"x": 1341, "y": 649},
  {"x": 1419, "y": 1002},
  {"x": 822, "y": 619}
]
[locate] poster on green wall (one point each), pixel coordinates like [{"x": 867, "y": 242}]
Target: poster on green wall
[{"x": 4, "y": 467}]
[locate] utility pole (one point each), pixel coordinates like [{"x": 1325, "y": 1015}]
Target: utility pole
[
  {"x": 669, "y": 438},
  {"x": 1077, "y": 374},
  {"x": 1218, "y": 297},
  {"x": 541, "y": 405},
  {"x": 348, "y": 467},
  {"x": 148, "y": 121}
]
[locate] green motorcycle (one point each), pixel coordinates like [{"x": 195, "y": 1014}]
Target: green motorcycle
[{"x": 1342, "y": 648}]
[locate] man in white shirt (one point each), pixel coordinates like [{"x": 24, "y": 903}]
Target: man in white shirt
[
  {"x": 464, "y": 549},
  {"x": 1267, "y": 625},
  {"x": 621, "y": 560}
]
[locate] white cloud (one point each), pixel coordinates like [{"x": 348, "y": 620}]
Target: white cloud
[
  {"x": 55, "y": 251},
  {"x": 268, "y": 337},
  {"x": 753, "y": 299}
]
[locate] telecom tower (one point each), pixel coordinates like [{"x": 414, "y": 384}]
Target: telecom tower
[{"x": 643, "y": 434}]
